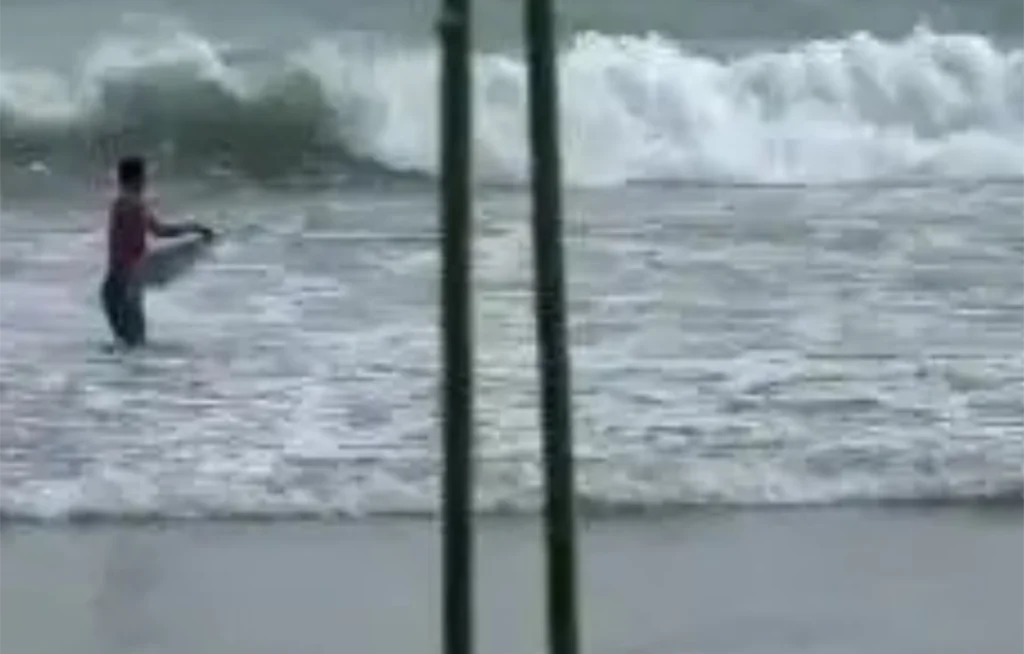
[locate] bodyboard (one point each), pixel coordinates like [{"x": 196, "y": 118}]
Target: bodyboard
[{"x": 166, "y": 263}]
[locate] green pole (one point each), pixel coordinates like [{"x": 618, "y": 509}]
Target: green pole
[
  {"x": 456, "y": 326},
  {"x": 553, "y": 357}
]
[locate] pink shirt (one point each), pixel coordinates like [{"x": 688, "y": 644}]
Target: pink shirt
[{"x": 129, "y": 221}]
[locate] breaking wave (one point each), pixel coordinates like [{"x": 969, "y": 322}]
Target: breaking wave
[{"x": 635, "y": 109}]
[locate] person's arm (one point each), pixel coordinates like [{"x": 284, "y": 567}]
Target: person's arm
[{"x": 171, "y": 230}]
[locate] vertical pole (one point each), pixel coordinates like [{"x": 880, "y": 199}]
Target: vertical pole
[
  {"x": 456, "y": 325},
  {"x": 549, "y": 298}
]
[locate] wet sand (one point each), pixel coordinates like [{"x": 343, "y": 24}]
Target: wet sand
[{"x": 827, "y": 580}]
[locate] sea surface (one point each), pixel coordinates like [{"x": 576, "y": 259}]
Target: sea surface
[{"x": 794, "y": 237}]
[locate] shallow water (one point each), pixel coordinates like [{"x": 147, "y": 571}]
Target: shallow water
[{"x": 730, "y": 345}]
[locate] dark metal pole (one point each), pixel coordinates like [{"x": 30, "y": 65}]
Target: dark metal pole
[
  {"x": 549, "y": 298},
  {"x": 456, "y": 326}
]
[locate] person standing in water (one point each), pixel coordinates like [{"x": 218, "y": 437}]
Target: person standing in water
[{"x": 130, "y": 220}]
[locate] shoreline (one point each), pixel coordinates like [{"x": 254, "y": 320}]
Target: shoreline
[{"x": 587, "y": 513}]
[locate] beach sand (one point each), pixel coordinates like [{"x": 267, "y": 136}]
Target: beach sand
[{"x": 831, "y": 580}]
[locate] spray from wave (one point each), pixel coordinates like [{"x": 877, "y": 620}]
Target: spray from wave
[{"x": 634, "y": 109}]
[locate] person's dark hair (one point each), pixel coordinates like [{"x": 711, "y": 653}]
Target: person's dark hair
[{"x": 131, "y": 171}]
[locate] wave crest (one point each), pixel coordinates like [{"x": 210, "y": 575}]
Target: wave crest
[{"x": 634, "y": 109}]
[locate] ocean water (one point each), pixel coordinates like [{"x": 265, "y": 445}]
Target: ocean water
[{"x": 795, "y": 256}]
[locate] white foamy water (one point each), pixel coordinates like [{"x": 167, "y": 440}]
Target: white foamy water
[
  {"x": 645, "y": 108},
  {"x": 635, "y": 108},
  {"x": 752, "y": 346}
]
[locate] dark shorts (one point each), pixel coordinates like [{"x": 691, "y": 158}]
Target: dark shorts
[{"x": 122, "y": 304}]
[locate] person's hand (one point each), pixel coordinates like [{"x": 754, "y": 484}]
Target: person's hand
[{"x": 205, "y": 232}]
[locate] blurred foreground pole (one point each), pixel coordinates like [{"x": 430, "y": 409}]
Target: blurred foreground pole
[
  {"x": 456, "y": 326},
  {"x": 553, "y": 357}
]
